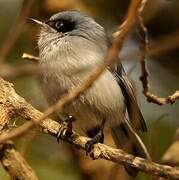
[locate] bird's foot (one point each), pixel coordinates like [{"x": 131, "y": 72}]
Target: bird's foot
[
  {"x": 97, "y": 138},
  {"x": 65, "y": 129}
]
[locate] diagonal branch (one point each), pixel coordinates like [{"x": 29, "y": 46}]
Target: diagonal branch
[
  {"x": 15, "y": 164},
  {"x": 101, "y": 151}
]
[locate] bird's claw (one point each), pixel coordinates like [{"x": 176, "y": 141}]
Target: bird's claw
[
  {"x": 89, "y": 146},
  {"x": 65, "y": 129},
  {"x": 98, "y": 138}
]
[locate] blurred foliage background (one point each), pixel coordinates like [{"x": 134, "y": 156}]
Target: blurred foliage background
[{"x": 56, "y": 161}]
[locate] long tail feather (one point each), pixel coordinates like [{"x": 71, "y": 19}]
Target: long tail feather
[{"x": 125, "y": 137}]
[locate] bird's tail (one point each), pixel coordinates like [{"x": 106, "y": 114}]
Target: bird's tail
[{"x": 125, "y": 137}]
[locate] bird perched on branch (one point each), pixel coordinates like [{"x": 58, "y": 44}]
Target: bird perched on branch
[{"x": 71, "y": 46}]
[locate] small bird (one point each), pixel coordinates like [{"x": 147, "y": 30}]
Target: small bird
[{"x": 71, "y": 46}]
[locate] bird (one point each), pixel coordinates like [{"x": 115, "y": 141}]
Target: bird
[{"x": 71, "y": 46}]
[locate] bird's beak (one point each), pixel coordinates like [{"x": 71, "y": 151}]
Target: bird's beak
[{"x": 37, "y": 21}]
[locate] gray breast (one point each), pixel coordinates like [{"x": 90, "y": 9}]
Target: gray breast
[{"x": 66, "y": 67}]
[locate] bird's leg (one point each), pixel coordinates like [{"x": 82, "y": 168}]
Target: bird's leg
[
  {"x": 97, "y": 136},
  {"x": 66, "y": 128}
]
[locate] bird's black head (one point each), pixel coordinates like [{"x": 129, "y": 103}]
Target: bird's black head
[{"x": 61, "y": 24}]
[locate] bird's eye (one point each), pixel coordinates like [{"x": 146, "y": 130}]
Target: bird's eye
[
  {"x": 59, "y": 25},
  {"x": 62, "y": 25}
]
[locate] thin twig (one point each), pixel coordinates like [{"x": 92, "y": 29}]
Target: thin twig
[
  {"x": 15, "y": 30},
  {"x": 143, "y": 47},
  {"x": 30, "y": 57},
  {"x": 144, "y": 77},
  {"x": 101, "y": 151}
]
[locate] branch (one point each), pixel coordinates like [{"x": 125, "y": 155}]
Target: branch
[
  {"x": 14, "y": 163},
  {"x": 144, "y": 77},
  {"x": 5, "y": 117},
  {"x": 15, "y": 30},
  {"x": 101, "y": 151}
]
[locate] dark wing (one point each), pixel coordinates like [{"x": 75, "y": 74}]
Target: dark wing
[
  {"x": 136, "y": 118},
  {"x": 123, "y": 134}
]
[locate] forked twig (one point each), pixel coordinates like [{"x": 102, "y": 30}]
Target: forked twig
[{"x": 143, "y": 52}]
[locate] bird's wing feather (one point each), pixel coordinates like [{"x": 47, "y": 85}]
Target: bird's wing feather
[
  {"x": 123, "y": 134},
  {"x": 136, "y": 118}
]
